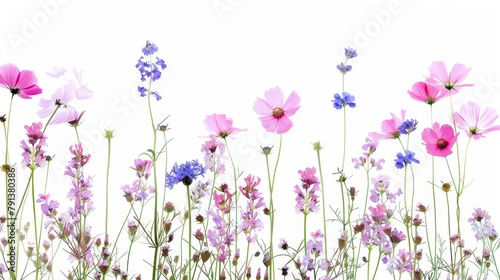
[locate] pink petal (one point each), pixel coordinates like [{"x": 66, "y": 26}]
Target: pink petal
[
  {"x": 8, "y": 75},
  {"x": 274, "y": 97},
  {"x": 261, "y": 107},
  {"x": 270, "y": 123},
  {"x": 487, "y": 118},
  {"x": 284, "y": 124},
  {"x": 438, "y": 71},
  {"x": 56, "y": 72},
  {"x": 292, "y": 104},
  {"x": 458, "y": 73}
]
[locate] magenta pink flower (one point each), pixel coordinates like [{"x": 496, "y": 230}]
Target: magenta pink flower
[
  {"x": 439, "y": 140},
  {"x": 390, "y": 127},
  {"x": 22, "y": 83},
  {"x": 275, "y": 114},
  {"x": 220, "y": 125},
  {"x": 473, "y": 123},
  {"x": 426, "y": 92},
  {"x": 448, "y": 81}
]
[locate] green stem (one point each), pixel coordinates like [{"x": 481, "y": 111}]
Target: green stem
[
  {"x": 305, "y": 230},
  {"x": 271, "y": 204},
  {"x": 37, "y": 248},
  {"x": 155, "y": 212},
  {"x": 189, "y": 231},
  {"x": 322, "y": 202},
  {"x": 107, "y": 187},
  {"x": 449, "y": 234},
  {"x": 235, "y": 201},
  {"x": 7, "y": 131}
]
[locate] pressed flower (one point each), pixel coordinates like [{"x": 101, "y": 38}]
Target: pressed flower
[
  {"x": 220, "y": 125},
  {"x": 426, "y": 92},
  {"x": 275, "y": 114},
  {"x": 22, "y": 83},
  {"x": 439, "y": 140},
  {"x": 448, "y": 81},
  {"x": 475, "y": 124}
]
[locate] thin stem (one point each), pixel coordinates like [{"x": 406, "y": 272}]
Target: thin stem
[
  {"x": 107, "y": 187},
  {"x": 449, "y": 234},
  {"x": 37, "y": 248},
  {"x": 322, "y": 202},
  {"x": 7, "y": 131},
  {"x": 345, "y": 138},
  {"x": 189, "y": 231},
  {"x": 236, "y": 201},
  {"x": 271, "y": 205}
]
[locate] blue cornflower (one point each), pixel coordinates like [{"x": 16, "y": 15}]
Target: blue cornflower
[
  {"x": 344, "y": 68},
  {"x": 149, "y": 48},
  {"x": 350, "y": 53},
  {"x": 408, "y": 126},
  {"x": 185, "y": 173},
  {"x": 403, "y": 160},
  {"x": 341, "y": 102}
]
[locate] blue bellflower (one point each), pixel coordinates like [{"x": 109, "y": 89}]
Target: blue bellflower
[
  {"x": 346, "y": 99},
  {"x": 185, "y": 173},
  {"x": 403, "y": 160}
]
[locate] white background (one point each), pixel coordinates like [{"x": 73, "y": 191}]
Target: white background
[{"x": 223, "y": 54}]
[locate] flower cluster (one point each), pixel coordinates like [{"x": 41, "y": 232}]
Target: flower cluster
[
  {"x": 389, "y": 228},
  {"x": 150, "y": 69},
  {"x": 307, "y": 198},
  {"x": 33, "y": 154}
]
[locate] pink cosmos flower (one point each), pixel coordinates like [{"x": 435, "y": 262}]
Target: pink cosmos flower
[
  {"x": 448, "y": 81},
  {"x": 439, "y": 140},
  {"x": 473, "y": 123},
  {"x": 274, "y": 112},
  {"x": 390, "y": 127},
  {"x": 22, "y": 83},
  {"x": 220, "y": 125},
  {"x": 426, "y": 92},
  {"x": 61, "y": 98}
]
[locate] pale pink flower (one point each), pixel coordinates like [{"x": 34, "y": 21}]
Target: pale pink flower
[
  {"x": 448, "y": 81},
  {"x": 475, "y": 124},
  {"x": 56, "y": 72},
  {"x": 275, "y": 112},
  {"x": 426, "y": 92},
  {"x": 61, "y": 98},
  {"x": 439, "y": 140},
  {"x": 390, "y": 127},
  {"x": 220, "y": 125},
  {"x": 21, "y": 83},
  {"x": 82, "y": 92}
]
